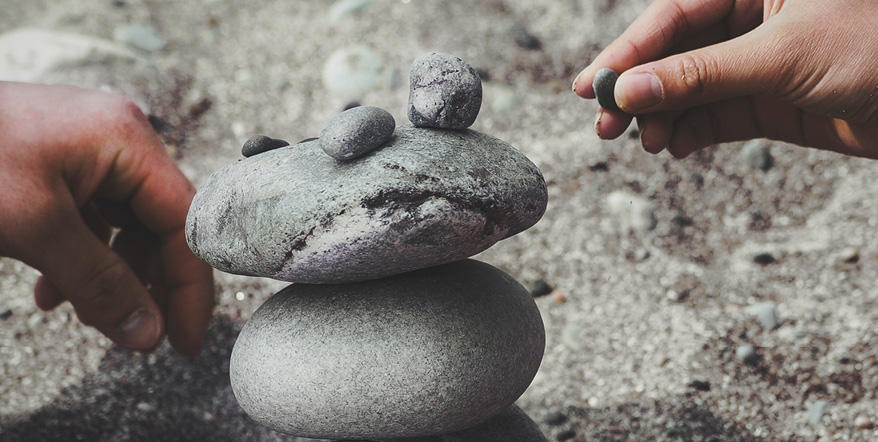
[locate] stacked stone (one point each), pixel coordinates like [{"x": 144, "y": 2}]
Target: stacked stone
[{"x": 389, "y": 332}]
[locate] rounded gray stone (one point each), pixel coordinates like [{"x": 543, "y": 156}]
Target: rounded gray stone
[
  {"x": 423, "y": 353},
  {"x": 446, "y": 92},
  {"x": 604, "y": 85},
  {"x": 356, "y": 132},
  {"x": 427, "y": 197}
]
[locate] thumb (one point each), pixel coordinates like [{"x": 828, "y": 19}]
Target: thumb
[
  {"x": 104, "y": 290},
  {"x": 747, "y": 65}
]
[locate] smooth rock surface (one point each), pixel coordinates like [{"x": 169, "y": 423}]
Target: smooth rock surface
[
  {"x": 427, "y": 197},
  {"x": 422, "y": 353},
  {"x": 604, "y": 85},
  {"x": 356, "y": 132},
  {"x": 446, "y": 92}
]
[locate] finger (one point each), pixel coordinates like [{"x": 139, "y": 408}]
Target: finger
[
  {"x": 755, "y": 63},
  {"x": 650, "y": 36},
  {"x": 159, "y": 195},
  {"x": 102, "y": 288},
  {"x": 46, "y": 295},
  {"x": 655, "y": 131},
  {"x": 611, "y": 124},
  {"x": 726, "y": 121},
  {"x": 138, "y": 248}
]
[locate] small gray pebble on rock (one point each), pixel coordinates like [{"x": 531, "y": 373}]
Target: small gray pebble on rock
[
  {"x": 746, "y": 353},
  {"x": 427, "y": 197},
  {"x": 816, "y": 411},
  {"x": 423, "y": 353},
  {"x": 260, "y": 144},
  {"x": 446, "y": 92},
  {"x": 766, "y": 314},
  {"x": 604, "y": 85},
  {"x": 356, "y": 132},
  {"x": 757, "y": 155}
]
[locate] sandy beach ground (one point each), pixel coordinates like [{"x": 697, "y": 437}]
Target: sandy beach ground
[{"x": 643, "y": 325}]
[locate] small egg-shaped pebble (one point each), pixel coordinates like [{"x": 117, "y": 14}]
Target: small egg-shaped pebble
[
  {"x": 604, "y": 84},
  {"x": 446, "y": 92},
  {"x": 261, "y": 143},
  {"x": 356, "y": 131}
]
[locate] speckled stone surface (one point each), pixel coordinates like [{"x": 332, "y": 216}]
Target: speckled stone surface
[
  {"x": 604, "y": 85},
  {"x": 446, "y": 92},
  {"x": 427, "y": 197},
  {"x": 423, "y": 353},
  {"x": 356, "y": 132}
]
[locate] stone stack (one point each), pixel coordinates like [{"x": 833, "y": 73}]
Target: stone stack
[{"x": 389, "y": 332}]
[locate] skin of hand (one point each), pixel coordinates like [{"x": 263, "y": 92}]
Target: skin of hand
[
  {"x": 702, "y": 72},
  {"x": 74, "y": 164}
]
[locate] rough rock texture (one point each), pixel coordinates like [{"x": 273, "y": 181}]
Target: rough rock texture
[
  {"x": 356, "y": 132},
  {"x": 446, "y": 92},
  {"x": 427, "y": 197},
  {"x": 422, "y": 353}
]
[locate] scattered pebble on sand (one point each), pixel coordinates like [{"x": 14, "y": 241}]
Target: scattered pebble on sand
[
  {"x": 746, "y": 353},
  {"x": 346, "y": 8},
  {"x": 816, "y": 411},
  {"x": 766, "y": 314},
  {"x": 539, "y": 288},
  {"x": 756, "y": 153},
  {"x": 523, "y": 38},
  {"x": 556, "y": 418},
  {"x": 144, "y": 38},
  {"x": 352, "y": 70},
  {"x": 862, "y": 422}
]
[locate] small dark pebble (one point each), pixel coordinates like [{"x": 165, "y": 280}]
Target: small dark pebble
[
  {"x": 556, "y": 418},
  {"x": 566, "y": 435},
  {"x": 260, "y": 144},
  {"x": 352, "y": 105},
  {"x": 681, "y": 220},
  {"x": 633, "y": 134},
  {"x": 599, "y": 167},
  {"x": 6, "y": 314},
  {"x": 700, "y": 385},
  {"x": 764, "y": 259},
  {"x": 525, "y": 39},
  {"x": 604, "y": 85},
  {"x": 540, "y": 288}
]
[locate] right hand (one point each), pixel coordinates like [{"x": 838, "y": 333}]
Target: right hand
[{"x": 701, "y": 72}]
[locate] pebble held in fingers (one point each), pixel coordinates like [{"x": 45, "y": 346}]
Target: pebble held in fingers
[
  {"x": 604, "y": 84},
  {"x": 356, "y": 132},
  {"x": 446, "y": 92},
  {"x": 259, "y": 144}
]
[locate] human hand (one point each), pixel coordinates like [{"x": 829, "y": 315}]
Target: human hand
[
  {"x": 73, "y": 164},
  {"x": 701, "y": 72}
]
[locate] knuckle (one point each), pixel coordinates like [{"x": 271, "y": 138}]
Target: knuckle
[{"x": 693, "y": 73}]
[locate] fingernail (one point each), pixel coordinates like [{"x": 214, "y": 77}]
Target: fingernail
[
  {"x": 575, "y": 80},
  {"x": 597, "y": 122},
  {"x": 638, "y": 91},
  {"x": 139, "y": 331}
]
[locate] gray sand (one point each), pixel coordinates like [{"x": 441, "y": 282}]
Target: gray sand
[{"x": 643, "y": 326}]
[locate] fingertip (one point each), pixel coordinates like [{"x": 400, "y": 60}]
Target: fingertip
[
  {"x": 582, "y": 84},
  {"x": 611, "y": 124},
  {"x": 683, "y": 142}
]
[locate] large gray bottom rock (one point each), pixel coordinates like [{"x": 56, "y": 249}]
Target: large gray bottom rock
[
  {"x": 425, "y": 198},
  {"x": 423, "y": 353}
]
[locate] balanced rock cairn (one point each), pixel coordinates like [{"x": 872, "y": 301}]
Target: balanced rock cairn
[{"x": 389, "y": 332}]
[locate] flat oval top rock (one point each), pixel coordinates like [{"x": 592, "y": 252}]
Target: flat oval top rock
[
  {"x": 427, "y": 352},
  {"x": 427, "y": 197},
  {"x": 356, "y": 131}
]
